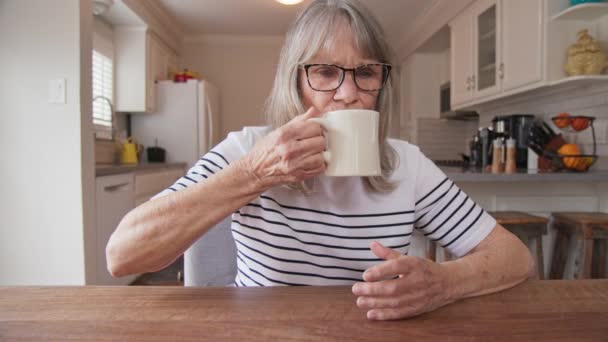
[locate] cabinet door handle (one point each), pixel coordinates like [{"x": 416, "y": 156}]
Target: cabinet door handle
[
  {"x": 473, "y": 82},
  {"x": 469, "y": 83},
  {"x": 501, "y": 71},
  {"x": 115, "y": 187}
]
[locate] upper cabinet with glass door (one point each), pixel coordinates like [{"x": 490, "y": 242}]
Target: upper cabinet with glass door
[
  {"x": 499, "y": 44},
  {"x": 486, "y": 48}
]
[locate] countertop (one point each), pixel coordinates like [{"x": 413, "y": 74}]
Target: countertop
[
  {"x": 459, "y": 174},
  {"x": 114, "y": 169}
]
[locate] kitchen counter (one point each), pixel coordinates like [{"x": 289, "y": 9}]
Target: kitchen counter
[
  {"x": 459, "y": 174},
  {"x": 113, "y": 169}
]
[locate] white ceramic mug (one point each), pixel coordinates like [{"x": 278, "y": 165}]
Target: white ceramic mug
[{"x": 352, "y": 142}]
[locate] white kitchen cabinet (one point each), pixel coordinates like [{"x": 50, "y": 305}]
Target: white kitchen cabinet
[
  {"x": 461, "y": 59},
  {"x": 172, "y": 65},
  {"x": 496, "y": 47},
  {"x": 522, "y": 41},
  {"x": 141, "y": 60},
  {"x": 113, "y": 200},
  {"x": 165, "y": 61}
]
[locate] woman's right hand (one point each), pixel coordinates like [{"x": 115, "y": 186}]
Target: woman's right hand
[{"x": 289, "y": 154}]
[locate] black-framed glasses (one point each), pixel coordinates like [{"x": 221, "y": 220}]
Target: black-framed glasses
[{"x": 329, "y": 77}]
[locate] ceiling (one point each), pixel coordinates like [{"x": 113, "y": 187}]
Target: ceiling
[
  {"x": 120, "y": 15},
  {"x": 267, "y": 17}
]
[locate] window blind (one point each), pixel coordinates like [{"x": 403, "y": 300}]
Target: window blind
[{"x": 102, "y": 86}]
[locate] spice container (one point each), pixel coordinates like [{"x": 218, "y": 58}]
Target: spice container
[
  {"x": 510, "y": 164},
  {"x": 497, "y": 156}
]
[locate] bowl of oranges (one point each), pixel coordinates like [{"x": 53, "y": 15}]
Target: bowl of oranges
[{"x": 569, "y": 157}]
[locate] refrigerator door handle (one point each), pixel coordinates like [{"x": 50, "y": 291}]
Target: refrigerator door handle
[{"x": 209, "y": 128}]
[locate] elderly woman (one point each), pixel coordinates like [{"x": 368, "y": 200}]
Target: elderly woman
[{"x": 295, "y": 226}]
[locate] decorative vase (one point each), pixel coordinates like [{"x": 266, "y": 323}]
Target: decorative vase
[{"x": 585, "y": 57}]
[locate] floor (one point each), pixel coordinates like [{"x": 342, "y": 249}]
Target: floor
[{"x": 169, "y": 276}]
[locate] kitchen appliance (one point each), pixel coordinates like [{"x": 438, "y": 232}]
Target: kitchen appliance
[
  {"x": 445, "y": 106},
  {"x": 515, "y": 126},
  {"x": 155, "y": 154},
  {"x": 129, "y": 152},
  {"x": 480, "y": 148},
  {"x": 485, "y": 139},
  {"x": 186, "y": 120}
]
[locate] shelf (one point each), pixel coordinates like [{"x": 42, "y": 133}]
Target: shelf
[
  {"x": 588, "y": 11},
  {"x": 581, "y": 80},
  {"x": 533, "y": 93},
  {"x": 488, "y": 35}
]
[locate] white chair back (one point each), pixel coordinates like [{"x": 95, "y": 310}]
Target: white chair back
[{"x": 211, "y": 260}]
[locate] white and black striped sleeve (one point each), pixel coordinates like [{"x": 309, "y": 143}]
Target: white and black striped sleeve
[
  {"x": 214, "y": 161},
  {"x": 444, "y": 213}
]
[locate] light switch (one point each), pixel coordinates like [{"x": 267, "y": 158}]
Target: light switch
[{"x": 57, "y": 91}]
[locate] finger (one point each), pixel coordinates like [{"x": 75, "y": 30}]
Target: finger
[
  {"x": 384, "y": 252},
  {"x": 309, "y": 146},
  {"x": 390, "y": 268},
  {"x": 307, "y": 129},
  {"x": 386, "y": 302},
  {"x": 312, "y": 162},
  {"x": 312, "y": 112},
  {"x": 393, "y": 266},
  {"x": 389, "y": 287},
  {"x": 393, "y": 313},
  {"x": 313, "y": 166}
]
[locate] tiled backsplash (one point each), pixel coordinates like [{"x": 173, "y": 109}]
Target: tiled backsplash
[{"x": 444, "y": 139}]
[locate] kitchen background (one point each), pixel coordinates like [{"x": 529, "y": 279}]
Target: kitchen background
[{"x": 62, "y": 195}]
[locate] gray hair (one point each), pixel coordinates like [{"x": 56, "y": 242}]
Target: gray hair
[{"x": 313, "y": 31}]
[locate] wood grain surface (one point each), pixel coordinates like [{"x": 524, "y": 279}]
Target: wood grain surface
[{"x": 556, "y": 310}]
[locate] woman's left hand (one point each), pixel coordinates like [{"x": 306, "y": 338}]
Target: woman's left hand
[{"x": 402, "y": 286}]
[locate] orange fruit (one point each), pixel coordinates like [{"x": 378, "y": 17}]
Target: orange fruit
[
  {"x": 569, "y": 150},
  {"x": 562, "y": 120},
  {"x": 579, "y": 124},
  {"x": 581, "y": 164}
]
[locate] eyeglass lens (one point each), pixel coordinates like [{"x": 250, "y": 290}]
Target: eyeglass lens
[{"x": 329, "y": 77}]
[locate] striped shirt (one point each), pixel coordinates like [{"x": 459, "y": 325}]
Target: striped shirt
[{"x": 285, "y": 237}]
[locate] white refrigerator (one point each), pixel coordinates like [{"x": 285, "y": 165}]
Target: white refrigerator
[{"x": 186, "y": 122}]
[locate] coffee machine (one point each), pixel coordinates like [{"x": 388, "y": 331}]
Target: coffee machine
[{"x": 515, "y": 126}]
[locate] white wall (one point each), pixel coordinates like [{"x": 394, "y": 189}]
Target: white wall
[
  {"x": 47, "y": 153},
  {"x": 423, "y": 73},
  {"x": 242, "y": 67}
]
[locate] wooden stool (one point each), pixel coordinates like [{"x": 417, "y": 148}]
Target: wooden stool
[
  {"x": 589, "y": 228},
  {"x": 529, "y": 229}
]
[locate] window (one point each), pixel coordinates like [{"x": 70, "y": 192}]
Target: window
[{"x": 102, "y": 86}]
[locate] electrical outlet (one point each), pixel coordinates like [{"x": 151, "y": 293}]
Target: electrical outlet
[{"x": 57, "y": 91}]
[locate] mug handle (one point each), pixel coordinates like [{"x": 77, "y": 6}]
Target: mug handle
[{"x": 321, "y": 121}]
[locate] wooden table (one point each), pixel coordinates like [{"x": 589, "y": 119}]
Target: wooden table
[{"x": 536, "y": 310}]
